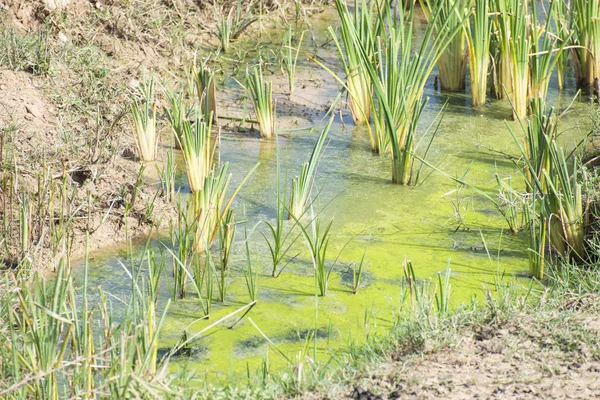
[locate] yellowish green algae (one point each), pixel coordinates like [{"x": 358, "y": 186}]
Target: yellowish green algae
[{"x": 432, "y": 224}]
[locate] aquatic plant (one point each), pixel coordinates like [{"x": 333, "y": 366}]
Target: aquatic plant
[
  {"x": 536, "y": 239},
  {"x": 281, "y": 241},
  {"x": 226, "y": 238},
  {"x": 546, "y": 50},
  {"x": 441, "y": 293},
  {"x": 585, "y": 22},
  {"x": 363, "y": 25},
  {"x": 289, "y": 55},
  {"x": 144, "y": 120},
  {"x": 317, "y": 241},
  {"x": 198, "y": 154},
  {"x": 176, "y": 112},
  {"x": 181, "y": 237},
  {"x": 564, "y": 34},
  {"x": 210, "y": 207},
  {"x": 478, "y": 33},
  {"x": 357, "y": 271},
  {"x": 549, "y": 177},
  {"x": 167, "y": 178},
  {"x": 399, "y": 79},
  {"x": 249, "y": 275},
  {"x": 503, "y": 12},
  {"x": 511, "y": 204},
  {"x": 302, "y": 185},
  {"x": 564, "y": 205},
  {"x": 232, "y": 25},
  {"x": 520, "y": 45},
  {"x": 156, "y": 268},
  {"x": 206, "y": 92},
  {"x": 261, "y": 93},
  {"x": 452, "y": 64},
  {"x": 540, "y": 132}
]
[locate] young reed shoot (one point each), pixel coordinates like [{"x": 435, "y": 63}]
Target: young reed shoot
[
  {"x": 232, "y": 25},
  {"x": 261, "y": 93},
  {"x": 206, "y": 92},
  {"x": 289, "y": 56},
  {"x": 249, "y": 275},
  {"x": 210, "y": 205},
  {"x": 303, "y": 184},
  {"x": 281, "y": 239},
  {"x": 198, "y": 153},
  {"x": 144, "y": 120},
  {"x": 357, "y": 272}
]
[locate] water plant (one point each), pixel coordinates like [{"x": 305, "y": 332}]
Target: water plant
[
  {"x": 144, "y": 120},
  {"x": 232, "y": 25},
  {"x": 357, "y": 272},
  {"x": 261, "y": 93},
  {"x": 210, "y": 207},
  {"x": 281, "y": 240},
  {"x": 198, "y": 154},
  {"x": 156, "y": 268},
  {"x": 478, "y": 32},
  {"x": 520, "y": 45},
  {"x": 249, "y": 275},
  {"x": 585, "y": 23},
  {"x": 399, "y": 79},
  {"x": 317, "y": 240},
  {"x": 302, "y": 185},
  {"x": 206, "y": 92},
  {"x": 536, "y": 239},
  {"x": 511, "y": 204},
  {"x": 289, "y": 56},
  {"x": 226, "y": 238},
  {"x": 365, "y": 24},
  {"x": 452, "y": 64},
  {"x": 503, "y": 12},
  {"x": 546, "y": 50},
  {"x": 564, "y": 204},
  {"x": 441, "y": 292},
  {"x": 181, "y": 237}
]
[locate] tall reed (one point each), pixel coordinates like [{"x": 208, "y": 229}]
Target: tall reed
[
  {"x": 520, "y": 45},
  {"x": 478, "y": 33},
  {"x": 585, "y": 16},
  {"x": 503, "y": 11},
  {"x": 452, "y": 64},
  {"x": 366, "y": 24},
  {"x": 399, "y": 79},
  {"x": 546, "y": 50}
]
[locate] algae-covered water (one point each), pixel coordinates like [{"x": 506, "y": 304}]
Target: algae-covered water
[{"x": 433, "y": 224}]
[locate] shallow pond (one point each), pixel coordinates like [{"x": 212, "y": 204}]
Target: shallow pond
[{"x": 432, "y": 224}]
